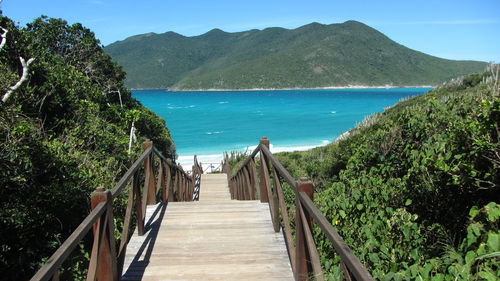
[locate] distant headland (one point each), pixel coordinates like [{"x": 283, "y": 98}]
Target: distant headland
[{"x": 309, "y": 57}]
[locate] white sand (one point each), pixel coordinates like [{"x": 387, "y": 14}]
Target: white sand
[
  {"x": 314, "y": 88},
  {"x": 213, "y": 161}
]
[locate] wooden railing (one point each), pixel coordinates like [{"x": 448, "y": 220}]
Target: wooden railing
[
  {"x": 211, "y": 167},
  {"x": 106, "y": 260},
  {"x": 196, "y": 173},
  {"x": 248, "y": 184}
]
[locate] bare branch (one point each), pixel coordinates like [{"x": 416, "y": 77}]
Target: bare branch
[
  {"x": 4, "y": 37},
  {"x": 24, "y": 77},
  {"x": 119, "y": 95},
  {"x": 132, "y": 137}
]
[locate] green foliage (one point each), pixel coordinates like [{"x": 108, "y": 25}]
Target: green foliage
[
  {"x": 313, "y": 55},
  {"x": 410, "y": 191},
  {"x": 62, "y": 134},
  {"x": 235, "y": 159}
]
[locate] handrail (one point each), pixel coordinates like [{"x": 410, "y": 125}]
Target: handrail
[
  {"x": 175, "y": 185},
  {"x": 281, "y": 170},
  {"x": 247, "y": 160},
  {"x": 303, "y": 255},
  {"x": 347, "y": 256},
  {"x": 167, "y": 160},
  {"x": 130, "y": 172}
]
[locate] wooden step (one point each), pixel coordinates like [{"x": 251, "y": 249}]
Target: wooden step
[{"x": 215, "y": 238}]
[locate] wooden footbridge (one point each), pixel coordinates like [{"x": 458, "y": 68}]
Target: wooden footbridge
[{"x": 226, "y": 226}]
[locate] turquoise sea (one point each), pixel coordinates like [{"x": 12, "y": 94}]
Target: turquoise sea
[{"x": 209, "y": 123}]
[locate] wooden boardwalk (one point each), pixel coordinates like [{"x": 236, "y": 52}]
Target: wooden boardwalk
[{"x": 215, "y": 238}]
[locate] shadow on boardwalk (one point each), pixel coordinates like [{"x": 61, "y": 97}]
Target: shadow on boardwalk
[{"x": 141, "y": 260}]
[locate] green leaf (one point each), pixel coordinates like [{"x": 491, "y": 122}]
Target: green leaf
[
  {"x": 493, "y": 211},
  {"x": 389, "y": 276},
  {"x": 408, "y": 202},
  {"x": 414, "y": 254},
  {"x": 342, "y": 213},
  {"x": 359, "y": 206},
  {"x": 473, "y": 211},
  {"x": 470, "y": 257},
  {"x": 373, "y": 257},
  {"x": 438, "y": 277},
  {"x": 487, "y": 275},
  {"x": 493, "y": 241}
]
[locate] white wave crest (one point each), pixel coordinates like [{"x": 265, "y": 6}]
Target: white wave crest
[{"x": 214, "y": 133}]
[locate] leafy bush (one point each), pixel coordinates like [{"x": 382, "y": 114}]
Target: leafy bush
[
  {"x": 400, "y": 190},
  {"x": 64, "y": 132}
]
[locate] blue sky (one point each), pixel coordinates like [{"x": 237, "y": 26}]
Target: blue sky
[{"x": 455, "y": 29}]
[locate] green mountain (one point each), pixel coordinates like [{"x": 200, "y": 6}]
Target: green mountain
[{"x": 314, "y": 55}]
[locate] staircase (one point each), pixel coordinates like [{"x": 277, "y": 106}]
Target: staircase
[{"x": 215, "y": 238}]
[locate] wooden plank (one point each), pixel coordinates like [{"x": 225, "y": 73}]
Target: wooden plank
[{"x": 215, "y": 238}]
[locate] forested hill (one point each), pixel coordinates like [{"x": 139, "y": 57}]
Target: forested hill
[{"x": 314, "y": 55}]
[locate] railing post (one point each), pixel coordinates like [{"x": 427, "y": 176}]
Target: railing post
[
  {"x": 262, "y": 186},
  {"x": 103, "y": 264},
  {"x": 302, "y": 267},
  {"x": 175, "y": 187},
  {"x": 170, "y": 184},
  {"x": 138, "y": 204},
  {"x": 251, "y": 195},
  {"x": 253, "y": 169},
  {"x": 163, "y": 181},
  {"x": 237, "y": 179},
  {"x": 149, "y": 181}
]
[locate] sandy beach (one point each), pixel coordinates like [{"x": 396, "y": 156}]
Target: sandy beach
[
  {"x": 351, "y": 87},
  {"x": 212, "y": 162}
]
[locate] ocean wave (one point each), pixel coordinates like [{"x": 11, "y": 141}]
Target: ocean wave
[
  {"x": 181, "y": 107},
  {"x": 214, "y": 133},
  {"x": 223, "y": 102},
  {"x": 333, "y": 112}
]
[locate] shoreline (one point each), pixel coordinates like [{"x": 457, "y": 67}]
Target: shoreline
[
  {"x": 187, "y": 160},
  {"x": 348, "y": 87}
]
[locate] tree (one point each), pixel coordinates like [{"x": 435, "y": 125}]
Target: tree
[{"x": 62, "y": 134}]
